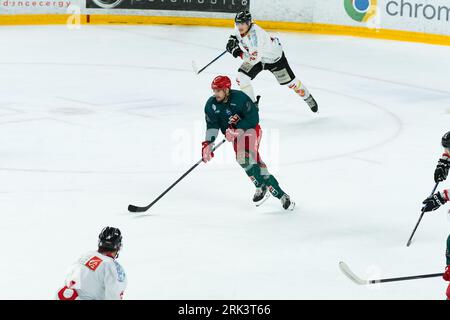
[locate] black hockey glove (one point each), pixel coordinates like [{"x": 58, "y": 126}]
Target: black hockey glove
[
  {"x": 434, "y": 202},
  {"x": 442, "y": 169},
  {"x": 233, "y": 47}
]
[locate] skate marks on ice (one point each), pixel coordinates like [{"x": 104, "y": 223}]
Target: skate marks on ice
[{"x": 396, "y": 129}]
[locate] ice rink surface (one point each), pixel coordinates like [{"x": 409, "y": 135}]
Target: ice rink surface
[{"x": 94, "y": 119}]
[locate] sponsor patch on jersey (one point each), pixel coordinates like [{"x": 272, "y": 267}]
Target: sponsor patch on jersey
[
  {"x": 120, "y": 273},
  {"x": 93, "y": 263}
]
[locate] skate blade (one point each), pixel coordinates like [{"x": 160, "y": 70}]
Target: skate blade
[{"x": 267, "y": 196}]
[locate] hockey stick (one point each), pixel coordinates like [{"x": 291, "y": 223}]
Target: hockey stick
[
  {"x": 420, "y": 219},
  {"x": 346, "y": 270},
  {"x": 194, "y": 65},
  {"x": 135, "y": 209}
]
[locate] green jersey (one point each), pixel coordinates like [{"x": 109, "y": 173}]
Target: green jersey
[{"x": 218, "y": 115}]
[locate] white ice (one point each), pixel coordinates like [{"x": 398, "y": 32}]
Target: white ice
[{"x": 94, "y": 119}]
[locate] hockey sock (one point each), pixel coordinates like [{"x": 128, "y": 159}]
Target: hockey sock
[
  {"x": 270, "y": 181},
  {"x": 299, "y": 88},
  {"x": 245, "y": 85}
]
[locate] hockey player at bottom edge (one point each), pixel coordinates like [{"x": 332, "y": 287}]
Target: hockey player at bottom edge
[
  {"x": 440, "y": 198},
  {"x": 447, "y": 269},
  {"x": 97, "y": 275},
  {"x": 259, "y": 51},
  {"x": 237, "y": 117}
]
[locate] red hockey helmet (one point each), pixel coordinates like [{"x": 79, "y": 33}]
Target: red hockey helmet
[{"x": 221, "y": 82}]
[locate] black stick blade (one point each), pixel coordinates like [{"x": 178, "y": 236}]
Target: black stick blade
[{"x": 135, "y": 209}]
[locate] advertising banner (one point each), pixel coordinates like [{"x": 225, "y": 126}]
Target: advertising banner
[{"x": 226, "y": 6}]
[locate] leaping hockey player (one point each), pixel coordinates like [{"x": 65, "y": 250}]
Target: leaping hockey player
[
  {"x": 97, "y": 275},
  {"x": 440, "y": 198},
  {"x": 237, "y": 117},
  {"x": 259, "y": 52}
]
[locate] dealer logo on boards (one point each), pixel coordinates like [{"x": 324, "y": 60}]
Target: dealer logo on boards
[
  {"x": 361, "y": 10},
  {"x": 107, "y": 4},
  {"x": 226, "y": 6}
]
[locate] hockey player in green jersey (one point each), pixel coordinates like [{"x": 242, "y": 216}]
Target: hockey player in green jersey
[{"x": 237, "y": 117}]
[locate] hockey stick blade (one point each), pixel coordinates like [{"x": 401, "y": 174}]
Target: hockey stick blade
[
  {"x": 194, "y": 67},
  {"x": 136, "y": 209},
  {"x": 346, "y": 270}
]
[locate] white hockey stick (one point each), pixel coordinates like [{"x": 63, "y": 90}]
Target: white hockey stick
[
  {"x": 194, "y": 67},
  {"x": 346, "y": 270}
]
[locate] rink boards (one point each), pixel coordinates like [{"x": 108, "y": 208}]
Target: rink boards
[{"x": 414, "y": 20}]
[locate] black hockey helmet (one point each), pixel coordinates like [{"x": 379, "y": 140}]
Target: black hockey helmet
[
  {"x": 243, "y": 17},
  {"x": 110, "y": 238},
  {"x": 446, "y": 140}
]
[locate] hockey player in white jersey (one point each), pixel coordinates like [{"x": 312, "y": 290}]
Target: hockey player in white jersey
[
  {"x": 440, "y": 198},
  {"x": 97, "y": 275},
  {"x": 261, "y": 52}
]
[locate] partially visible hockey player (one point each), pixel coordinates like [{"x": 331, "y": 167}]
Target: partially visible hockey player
[
  {"x": 237, "y": 117},
  {"x": 261, "y": 52},
  {"x": 440, "y": 174},
  {"x": 447, "y": 269},
  {"x": 440, "y": 198},
  {"x": 97, "y": 275}
]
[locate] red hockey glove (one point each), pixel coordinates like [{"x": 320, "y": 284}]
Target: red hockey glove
[
  {"x": 231, "y": 134},
  {"x": 207, "y": 153},
  {"x": 446, "y": 275}
]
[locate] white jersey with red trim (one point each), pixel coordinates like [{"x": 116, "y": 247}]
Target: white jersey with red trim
[
  {"x": 94, "y": 277},
  {"x": 259, "y": 46}
]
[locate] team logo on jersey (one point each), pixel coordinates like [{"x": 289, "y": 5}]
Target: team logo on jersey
[
  {"x": 93, "y": 263},
  {"x": 228, "y": 112},
  {"x": 361, "y": 10}
]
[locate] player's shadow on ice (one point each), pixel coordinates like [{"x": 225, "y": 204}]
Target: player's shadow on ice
[{"x": 276, "y": 211}]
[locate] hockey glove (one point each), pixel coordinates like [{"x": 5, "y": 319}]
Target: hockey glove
[
  {"x": 446, "y": 275},
  {"x": 233, "y": 47},
  {"x": 207, "y": 151},
  {"x": 434, "y": 202},
  {"x": 232, "y": 134},
  {"x": 442, "y": 168}
]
